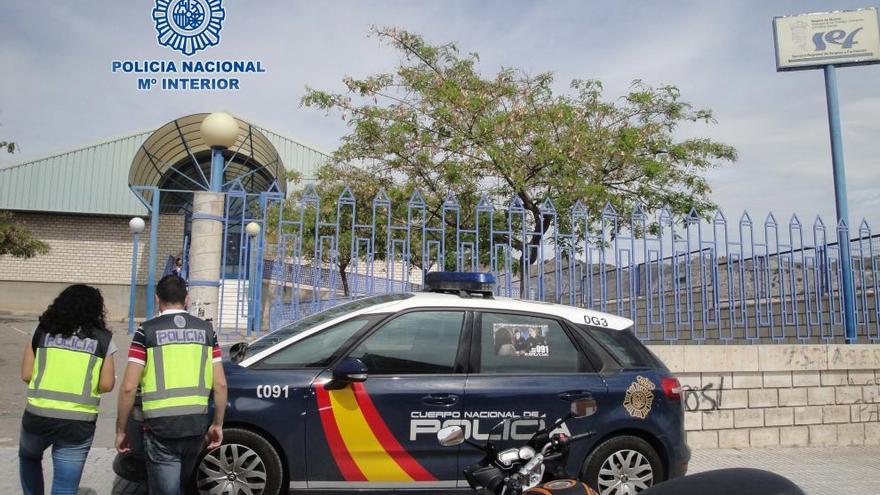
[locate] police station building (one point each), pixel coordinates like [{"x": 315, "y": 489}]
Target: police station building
[{"x": 81, "y": 202}]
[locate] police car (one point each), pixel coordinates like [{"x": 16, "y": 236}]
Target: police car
[{"x": 351, "y": 398}]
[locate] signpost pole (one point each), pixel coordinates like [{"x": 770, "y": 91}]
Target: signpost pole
[{"x": 840, "y": 203}]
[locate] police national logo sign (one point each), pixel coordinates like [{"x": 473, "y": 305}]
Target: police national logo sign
[{"x": 188, "y": 25}]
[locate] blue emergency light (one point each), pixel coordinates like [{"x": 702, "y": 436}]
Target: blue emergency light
[{"x": 462, "y": 283}]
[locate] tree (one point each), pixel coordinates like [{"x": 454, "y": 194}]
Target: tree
[
  {"x": 16, "y": 240},
  {"x": 436, "y": 124}
]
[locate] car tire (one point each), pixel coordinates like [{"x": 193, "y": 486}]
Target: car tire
[
  {"x": 122, "y": 486},
  {"x": 626, "y": 462},
  {"x": 252, "y": 460}
]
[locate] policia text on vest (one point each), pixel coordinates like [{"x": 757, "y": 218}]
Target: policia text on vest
[{"x": 64, "y": 383}]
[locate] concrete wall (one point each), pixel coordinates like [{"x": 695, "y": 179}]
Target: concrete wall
[
  {"x": 94, "y": 250},
  {"x": 778, "y": 395},
  {"x": 32, "y": 298}
]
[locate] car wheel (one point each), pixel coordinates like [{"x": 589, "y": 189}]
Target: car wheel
[
  {"x": 623, "y": 465},
  {"x": 245, "y": 463}
]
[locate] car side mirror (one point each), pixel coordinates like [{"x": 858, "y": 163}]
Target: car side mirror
[
  {"x": 583, "y": 408},
  {"x": 350, "y": 370},
  {"x": 451, "y": 436}
]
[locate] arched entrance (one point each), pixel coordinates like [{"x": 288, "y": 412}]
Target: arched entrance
[{"x": 218, "y": 190}]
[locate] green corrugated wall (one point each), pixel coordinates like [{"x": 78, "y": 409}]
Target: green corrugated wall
[{"x": 94, "y": 180}]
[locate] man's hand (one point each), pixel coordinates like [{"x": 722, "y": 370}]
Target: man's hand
[
  {"x": 214, "y": 437},
  {"x": 122, "y": 443}
]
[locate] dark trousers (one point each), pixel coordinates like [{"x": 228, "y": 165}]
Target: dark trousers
[
  {"x": 68, "y": 460},
  {"x": 171, "y": 462}
]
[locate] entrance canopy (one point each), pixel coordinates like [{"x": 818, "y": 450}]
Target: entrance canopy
[{"x": 175, "y": 158}]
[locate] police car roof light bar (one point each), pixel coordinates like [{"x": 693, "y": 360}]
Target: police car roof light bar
[{"x": 462, "y": 283}]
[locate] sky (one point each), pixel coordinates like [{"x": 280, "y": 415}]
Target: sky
[{"x": 58, "y": 92}]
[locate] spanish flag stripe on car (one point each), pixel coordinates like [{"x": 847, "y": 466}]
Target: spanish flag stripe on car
[
  {"x": 389, "y": 443},
  {"x": 361, "y": 443},
  {"x": 343, "y": 459}
]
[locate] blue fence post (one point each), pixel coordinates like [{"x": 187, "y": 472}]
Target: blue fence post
[
  {"x": 250, "y": 253},
  {"x": 131, "y": 301},
  {"x": 151, "y": 264},
  {"x": 258, "y": 276},
  {"x": 840, "y": 202}
]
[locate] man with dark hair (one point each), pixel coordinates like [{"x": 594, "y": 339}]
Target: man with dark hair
[
  {"x": 171, "y": 289},
  {"x": 174, "y": 363}
]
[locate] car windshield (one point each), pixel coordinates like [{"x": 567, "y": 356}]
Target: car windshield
[{"x": 316, "y": 319}]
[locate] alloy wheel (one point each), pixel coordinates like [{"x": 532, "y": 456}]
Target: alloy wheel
[
  {"x": 232, "y": 469},
  {"x": 625, "y": 472}
]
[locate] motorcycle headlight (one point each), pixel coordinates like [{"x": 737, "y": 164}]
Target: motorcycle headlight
[
  {"x": 526, "y": 453},
  {"x": 508, "y": 457}
]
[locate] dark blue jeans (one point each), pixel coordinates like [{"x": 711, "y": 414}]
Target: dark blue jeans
[
  {"x": 170, "y": 462},
  {"x": 68, "y": 460}
]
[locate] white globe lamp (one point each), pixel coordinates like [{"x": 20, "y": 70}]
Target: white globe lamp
[
  {"x": 252, "y": 229},
  {"x": 136, "y": 225},
  {"x": 219, "y": 130}
]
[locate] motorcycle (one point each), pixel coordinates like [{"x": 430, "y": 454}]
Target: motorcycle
[{"x": 522, "y": 471}]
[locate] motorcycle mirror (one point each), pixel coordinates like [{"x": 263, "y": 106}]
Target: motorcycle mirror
[
  {"x": 583, "y": 408},
  {"x": 451, "y": 436}
]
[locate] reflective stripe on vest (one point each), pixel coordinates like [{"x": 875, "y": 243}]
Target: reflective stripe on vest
[
  {"x": 64, "y": 404},
  {"x": 174, "y": 401}
]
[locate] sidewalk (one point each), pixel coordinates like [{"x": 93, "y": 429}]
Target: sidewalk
[{"x": 818, "y": 471}]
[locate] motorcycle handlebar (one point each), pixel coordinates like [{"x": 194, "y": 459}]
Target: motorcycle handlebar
[{"x": 581, "y": 436}]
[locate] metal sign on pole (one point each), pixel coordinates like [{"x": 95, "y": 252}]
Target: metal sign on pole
[{"x": 828, "y": 40}]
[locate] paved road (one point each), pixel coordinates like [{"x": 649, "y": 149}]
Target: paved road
[{"x": 820, "y": 471}]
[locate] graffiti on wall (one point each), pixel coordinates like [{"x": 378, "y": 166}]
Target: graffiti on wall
[{"x": 705, "y": 398}]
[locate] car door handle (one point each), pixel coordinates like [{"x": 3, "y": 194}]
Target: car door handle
[
  {"x": 572, "y": 395},
  {"x": 440, "y": 399}
]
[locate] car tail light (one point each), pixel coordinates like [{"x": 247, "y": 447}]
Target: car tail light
[{"x": 671, "y": 388}]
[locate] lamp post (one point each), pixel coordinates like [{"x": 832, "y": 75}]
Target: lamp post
[
  {"x": 219, "y": 131},
  {"x": 253, "y": 230},
  {"x": 135, "y": 226}
]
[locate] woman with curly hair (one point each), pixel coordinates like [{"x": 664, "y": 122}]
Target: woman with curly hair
[{"x": 67, "y": 365}]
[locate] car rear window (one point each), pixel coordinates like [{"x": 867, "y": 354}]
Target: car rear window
[
  {"x": 623, "y": 346},
  {"x": 311, "y": 321}
]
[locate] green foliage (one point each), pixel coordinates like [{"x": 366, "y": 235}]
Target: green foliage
[
  {"x": 437, "y": 125},
  {"x": 17, "y": 241}
]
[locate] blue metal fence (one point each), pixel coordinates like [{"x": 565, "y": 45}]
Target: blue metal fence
[{"x": 680, "y": 278}]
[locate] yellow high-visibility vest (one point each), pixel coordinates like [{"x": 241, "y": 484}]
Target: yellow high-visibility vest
[
  {"x": 64, "y": 383},
  {"x": 178, "y": 372}
]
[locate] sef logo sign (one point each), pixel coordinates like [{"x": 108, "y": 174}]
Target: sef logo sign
[{"x": 835, "y": 37}]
